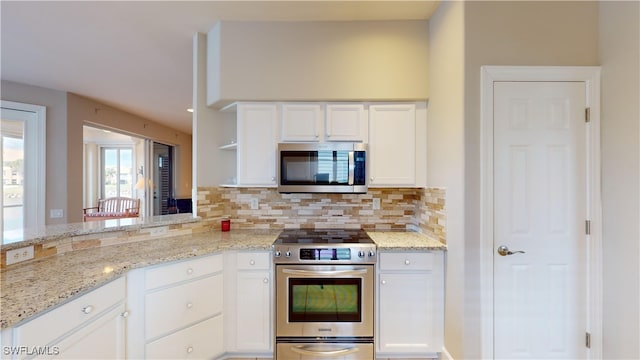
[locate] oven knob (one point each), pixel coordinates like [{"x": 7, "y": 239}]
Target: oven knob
[
  {"x": 361, "y": 253},
  {"x": 287, "y": 253},
  {"x": 277, "y": 253},
  {"x": 371, "y": 253}
]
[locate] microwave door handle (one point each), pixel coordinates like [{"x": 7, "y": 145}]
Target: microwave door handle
[
  {"x": 352, "y": 168},
  {"x": 312, "y": 273},
  {"x": 303, "y": 350}
]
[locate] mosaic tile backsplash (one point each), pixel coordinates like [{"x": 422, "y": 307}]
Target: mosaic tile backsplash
[{"x": 401, "y": 209}]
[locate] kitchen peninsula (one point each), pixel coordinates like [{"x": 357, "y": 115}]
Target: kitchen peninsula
[{"x": 53, "y": 283}]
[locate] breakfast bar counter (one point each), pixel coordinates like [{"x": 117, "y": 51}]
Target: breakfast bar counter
[{"x": 32, "y": 287}]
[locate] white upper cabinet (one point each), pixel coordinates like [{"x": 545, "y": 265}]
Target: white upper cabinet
[
  {"x": 301, "y": 122},
  {"x": 392, "y": 145},
  {"x": 257, "y": 144},
  {"x": 324, "y": 122},
  {"x": 346, "y": 122}
]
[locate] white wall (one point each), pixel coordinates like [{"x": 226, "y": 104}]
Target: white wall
[{"x": 620, "y": 59}]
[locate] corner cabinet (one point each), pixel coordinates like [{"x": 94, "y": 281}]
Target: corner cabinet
[
  {"x": 257, "y": 139},
  {"x": 410, "y": 306},
  {"x": 248, "y": 303},
  {"x": 397, "y": 145}
]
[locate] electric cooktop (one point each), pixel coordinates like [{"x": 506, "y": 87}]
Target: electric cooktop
[{"x": 323, "y": 236}]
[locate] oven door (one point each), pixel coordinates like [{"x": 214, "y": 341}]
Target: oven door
[{"x": 324, "y": 301}]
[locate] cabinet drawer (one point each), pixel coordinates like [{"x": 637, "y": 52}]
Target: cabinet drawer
[
  {"x": 200, "y": 341},
  {"x": 45, "y": 328},
  {"x": 181, "y": 271},
  {"x": 406, "y": 261},
  {"x": 254, "y": 260},
  {"x": 169, "y": 309}
]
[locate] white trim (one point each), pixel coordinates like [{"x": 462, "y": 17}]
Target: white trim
[
  {"x": 445, "y": 354},
  {"x": 591, "y": 76},
  {"x": 35, "y": 133}
]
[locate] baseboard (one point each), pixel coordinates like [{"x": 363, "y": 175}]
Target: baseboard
[{"x": 445, "y": 354}]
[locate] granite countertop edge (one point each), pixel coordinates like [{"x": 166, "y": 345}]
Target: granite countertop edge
[{"x": 28, "y": 290}]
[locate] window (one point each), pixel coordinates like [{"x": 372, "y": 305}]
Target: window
[
  {"x": 117, "y": 171},
  {"x": 23, "y": 168}
]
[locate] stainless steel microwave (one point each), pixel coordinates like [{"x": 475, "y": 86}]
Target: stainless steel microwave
[{"x": 322, "y": 167}]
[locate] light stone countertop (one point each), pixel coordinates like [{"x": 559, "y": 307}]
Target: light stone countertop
[
  {"x": 53, "y": 232},
  {"x": 30, "y": 288},
  {"x": 33, "y": 287},
  {"x": 404, "y": 241}
]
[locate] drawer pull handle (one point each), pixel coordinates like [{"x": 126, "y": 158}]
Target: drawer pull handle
[
  {"x": 189, "y": 349},
  {"x": 189, "y": 305},
  {"x": 125, "y": 314},
  {"x": 87, "y": 309},
  {"x": 265, "y": 280},
  {"x": 407, "y": 262},
  {"x": 252, "y": 262},
  {"x": 189, "y": 271}
]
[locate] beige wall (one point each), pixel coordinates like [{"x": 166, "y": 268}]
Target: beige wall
[
  {"x": 445, "y": 152},
  {"x": 83, "y": 110},
  {"x": 620, "y": 59},
  {"x": 494, "y": 33},
  {"x": 66, "y": 114},
  {"x": 366, "y": 60},
  {"x": 56, "y": 152}
]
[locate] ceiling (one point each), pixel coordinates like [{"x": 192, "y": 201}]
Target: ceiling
[{"x": 137, "y": 55}]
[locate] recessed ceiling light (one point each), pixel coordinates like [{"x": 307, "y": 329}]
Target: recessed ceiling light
[{"x": 190, "y": 110}]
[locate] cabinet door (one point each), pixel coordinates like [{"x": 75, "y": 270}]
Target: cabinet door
[
  {"x": 392, "y": 144},
  {"x": 406, "y": 313},
  {"x": 257, "y": 144},
  {"x": 346, "y": 122},
  {"x": 301, "y": 122},
  {"x": 253, "y": 311},
  {"x": 104, "y": 338}
]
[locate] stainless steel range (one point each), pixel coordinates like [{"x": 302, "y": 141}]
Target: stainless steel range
[{"x": 324, "y": 294}]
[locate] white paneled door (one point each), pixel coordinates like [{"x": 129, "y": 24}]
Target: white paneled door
[{"x": 539, "y": 215}]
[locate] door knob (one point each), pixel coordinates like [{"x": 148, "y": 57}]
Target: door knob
[{"x": 504, "y": 251}]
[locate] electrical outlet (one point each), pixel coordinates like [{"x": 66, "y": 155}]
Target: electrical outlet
[
  {"x": 56, "y": 213},
  {"x": 376, "y": 204},
  {"x": 18, "y": 255},
  {"x": 254, "y": 204},
  {"x": 159, "y": 231}
]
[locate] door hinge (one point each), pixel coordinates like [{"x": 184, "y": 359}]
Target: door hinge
[
  {"x": 587, "y": 340},
  {"x": 587, "y": 227},
  {"x": 587, "y": 115}
]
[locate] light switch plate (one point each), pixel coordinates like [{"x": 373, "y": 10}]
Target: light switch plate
[
  {"x": 56, "y": 213},
  {"x": 159, "y": 231},
  {"x": 376, "y": 204},
  {"x": 254, "y": 204}
]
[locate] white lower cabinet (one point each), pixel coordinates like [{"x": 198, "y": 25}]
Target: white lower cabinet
[
  {"x": 91, "y": 326},
  {"x": 176, "y": 310},
  {"x": 410, "y": 305},
  {"x": 248, "y": 303}
]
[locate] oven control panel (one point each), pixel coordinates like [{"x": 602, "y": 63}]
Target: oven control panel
[{"x": 324, "y": 254}]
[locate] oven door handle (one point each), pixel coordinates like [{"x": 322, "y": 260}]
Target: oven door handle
[
  {"x": 324, "y": 273},
  {"x": 302, "y": 350}
]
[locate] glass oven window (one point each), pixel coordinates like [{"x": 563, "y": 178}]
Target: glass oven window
[{"x": 325, "y": 300}]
